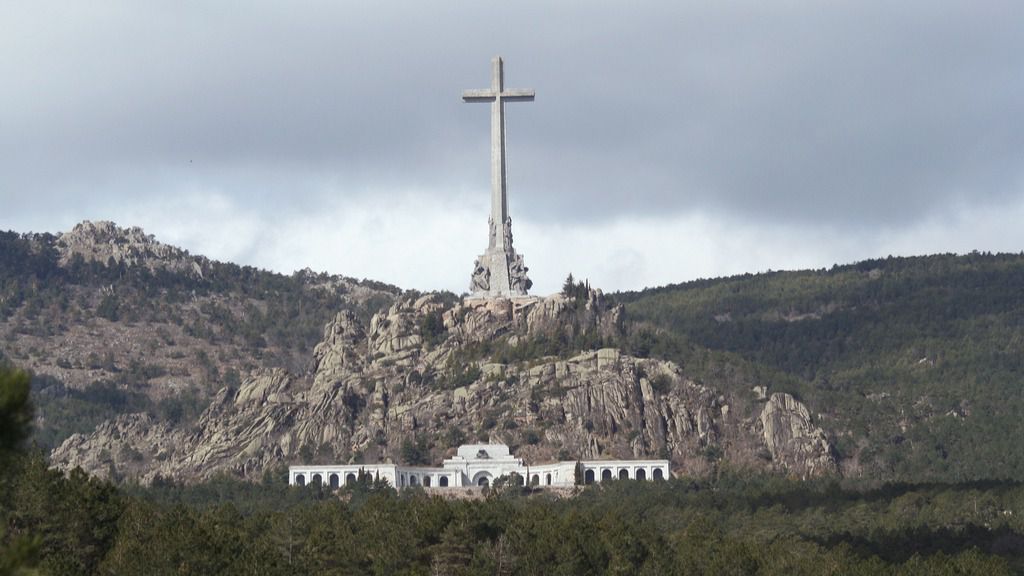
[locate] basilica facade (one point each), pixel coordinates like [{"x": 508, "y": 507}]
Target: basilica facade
[{"x": 480, "y": 465}]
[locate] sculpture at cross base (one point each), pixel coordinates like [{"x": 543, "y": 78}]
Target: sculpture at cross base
[{"x": 499, "y": 272}]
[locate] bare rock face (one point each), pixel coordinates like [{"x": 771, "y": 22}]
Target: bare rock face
[
  {"x": 242, "y": 430},
  {"x": 794, "y": 442},
  {"x": 396, "y": 333},
  {"x": 104, "y": 242},
  {"x": 130, "y": 445},
  {"x": 341, "y": 353},
  {"x": 593, "y": 312},
  {"x": 426, "y": 371},
  {"x": 483, "y": 320},
  {"x": 607, "y": 406}
]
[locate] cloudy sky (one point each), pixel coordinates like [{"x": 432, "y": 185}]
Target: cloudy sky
[{"x": 669, "y": 141}]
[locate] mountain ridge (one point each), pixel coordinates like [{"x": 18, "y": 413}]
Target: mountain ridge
[{"x": 197, "y": 347}]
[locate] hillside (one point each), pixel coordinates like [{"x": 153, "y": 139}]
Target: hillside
[
  {"x": 153, "y": 363},
  {"x": 112, "y": 321},
  {"x": 914, "y": 366}
]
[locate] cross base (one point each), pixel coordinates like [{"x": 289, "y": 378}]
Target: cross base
[{"x": 499, "y": 273}]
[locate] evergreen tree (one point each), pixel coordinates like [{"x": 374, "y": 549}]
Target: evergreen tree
[
  {"x": 18, "y": 554},
  {"x": 15, "y": 411},
  {"x": 569, "y": 286},
  {"x": 453, "y": 554}
]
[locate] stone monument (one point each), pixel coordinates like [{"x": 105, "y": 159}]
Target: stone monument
[{"x": 499, "y": 272}]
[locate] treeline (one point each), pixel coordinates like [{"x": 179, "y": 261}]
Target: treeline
[{"x": 76, "y": 525}]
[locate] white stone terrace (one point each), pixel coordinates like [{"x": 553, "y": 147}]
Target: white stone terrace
[{"x": 480, "y": 465}]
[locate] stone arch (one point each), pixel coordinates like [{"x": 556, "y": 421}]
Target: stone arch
[
  {"x": 300, "y": 479},
  {"x": 350, "y": 478},
  {"x": 335, "y": 481},
  {"x": 535, "y": 480},
  {"x": 442, "y": 481},
  {"x": 623, "y": 474},
  {"x": 658, "y": 474},
  {"x": 588, "y": 477},
  {"x": 482, "y": 478},
  {"x": 317, "y": 480},
  {"x": 641, "y": 474},
  {"x": 606, "y": 474},
  {"x": 426, "y": 481},
  {"x": 547, "y": 479},
  {"x": 413, "y": 480}
]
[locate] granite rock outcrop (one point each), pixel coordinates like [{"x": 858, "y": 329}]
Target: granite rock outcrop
[
  {"x": 105, "y": 242},
  {"x": 429, "y": 373},
  {"x": 794, "y": 442}
]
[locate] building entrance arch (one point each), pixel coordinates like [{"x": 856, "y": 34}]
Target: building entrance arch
[
  {"x": 588, "y": 477},
  {"x": 482, "y": 478}
]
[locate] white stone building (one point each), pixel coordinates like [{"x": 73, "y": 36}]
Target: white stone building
[{"x": 480, "y": 465}]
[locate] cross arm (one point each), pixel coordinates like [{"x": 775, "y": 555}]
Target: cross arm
[
  {"x": 518, "y": 95},
  {"x": 478, "y": 95}
]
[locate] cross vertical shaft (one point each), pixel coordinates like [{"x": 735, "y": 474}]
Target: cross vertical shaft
[
  {"x": 497, "y": 96},
  {"x": 499, "y": 192}
]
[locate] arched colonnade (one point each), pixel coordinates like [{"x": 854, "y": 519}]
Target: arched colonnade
[{"x": 598, "y": 472}]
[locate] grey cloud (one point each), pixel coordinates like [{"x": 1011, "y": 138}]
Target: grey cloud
[{"x": 857, "y": 114}]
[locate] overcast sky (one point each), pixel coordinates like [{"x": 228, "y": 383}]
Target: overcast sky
[{"x": 668, "y": 142}]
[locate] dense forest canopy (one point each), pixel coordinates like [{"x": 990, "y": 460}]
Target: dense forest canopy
[{"x": 915, "y": 365}]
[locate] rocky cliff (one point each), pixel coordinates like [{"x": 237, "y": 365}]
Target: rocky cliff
[{"x": 429, "y": 373}]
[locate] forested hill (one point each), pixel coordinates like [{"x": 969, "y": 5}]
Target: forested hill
[
  {"x": 111, "y": 321},
  {"x": 916, "y": 365}
]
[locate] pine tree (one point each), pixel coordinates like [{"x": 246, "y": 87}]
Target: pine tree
[
  {"x": 452, "y": 555},
  {"x": 18, "y": 555},
  {"x": 569, "y": 287},
  {"x": 15, "y": 410}
]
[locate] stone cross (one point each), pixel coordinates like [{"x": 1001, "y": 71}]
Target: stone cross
[
  {"x": 499, "y": 272},
  {"x": 497, "y": 95}
]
